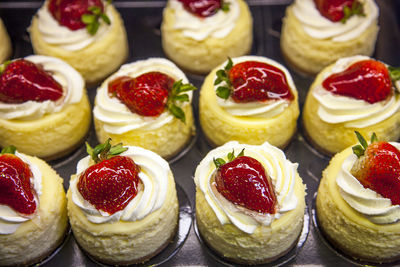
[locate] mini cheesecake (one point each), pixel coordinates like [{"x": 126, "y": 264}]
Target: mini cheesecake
[
  {"x": 138, "y": 216},
  {"x": 230, "y": 208},
  {"x": 93, "y": 54},
  {"x": 31, "y": 230},
  {"x": 35, "y": 123},
  {"x": 310, "y": 41},
  {"x": 251, "y": 119},
  {"x": 199, "y": 39}
]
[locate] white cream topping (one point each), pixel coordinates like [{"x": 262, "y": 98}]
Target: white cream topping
[
  {"x": 281, "y": 171},
  {"x": 219, "y": 25},
  {"x": 266, "y": 109},
  {"x": 372, "y": 205},
  {"x": 61, "y": 36},
  {"x": 10, "y": 220},
  {"x": 353, "y": 113},
  {"x": 70, "y": 80},
  {"x": 153, "y": 174},
  {"x": 116, "y": 116},
  {"x": 319, "y": 27}
]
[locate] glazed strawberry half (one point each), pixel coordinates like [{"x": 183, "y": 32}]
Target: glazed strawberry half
[
  {"x": 78, "y": 14},
  {"x": 244, "y": 182},
  {"x": 252, "y": 81},
  {"x": 204, "y": 8},
  {"x": 367, "y": 80},
  {"x": 22, "y": 80},
  {"x": 16, "y": 189},
  {"x": 151, "y": 93},
  {"x": 378, "y": 167},
  {"x": 112, "y": 181},
  {"x": 339, "y": 10}
]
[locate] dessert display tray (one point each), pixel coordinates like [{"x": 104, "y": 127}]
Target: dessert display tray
[{"x": 142, "y": 21}]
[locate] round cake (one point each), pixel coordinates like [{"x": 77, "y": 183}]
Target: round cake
[
  {"x": 310, "y": 40},
  {"x": 5, "y": 47},
  {"x": 367, "y": 104},
  {"x": 267, "y": 113},
  {"x": 243, "y": 217},
  {"x": 94, "y": 54},
  {"x": 199, "y": 39},
  {"x": 31, "y": 228},
  {"x": 356, "y": 219},
  {"x": 128, "y": 218},
  {"x": 44, "y": 121},
  {"x": 134, "y": 118}
]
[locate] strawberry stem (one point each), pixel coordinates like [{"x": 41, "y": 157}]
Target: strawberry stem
[
  {"x": 355, "y": 9},
  {"x": 218, "y": 162},
  {"x": 92, "y": 19},
  {"x": 223, "y": 76},
  {"x": 104, "y": 151},
  {"x": 394, "y": 73},
  {"x": 178, "y": 94},
  {"x": 8, "y": 150}
]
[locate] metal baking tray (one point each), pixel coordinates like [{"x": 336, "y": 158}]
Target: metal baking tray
[{"x": 142, "y": 21}]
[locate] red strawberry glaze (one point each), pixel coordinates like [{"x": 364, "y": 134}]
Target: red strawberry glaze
[
  {"x": 202, "y": 8},
  {"x": 110, "y": 184},
  {"x": 15, "y": 185},
  {"x": 23, "y": 80},
  {"x": 69, "y": 12},
  {"x": 367, "y": 80},
  {"x": 379, "y": 170},
  {"x": 258, "y": 81},
  {"x": 333, "y": 9},
  {"x": 244, "y": 182},
  {"x": 146, "y": 95}
]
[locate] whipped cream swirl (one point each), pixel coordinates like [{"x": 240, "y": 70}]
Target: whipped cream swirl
[
  {"x": 281, "y": 171},
  {"x": 372, "y": 205},
  {"x": 116, "y": 116},
  {"x": 10, "y": 220},
  {"x": 319, "y": 27},
  {"x": 353, "y": 113},
  {"x": 217, "y": 26},
  {"x": 154, "y": 172},
  {"x": 70, "y": 80},
  {"x": 266, "y": 109},
  {"x": 61, "y": 36}
]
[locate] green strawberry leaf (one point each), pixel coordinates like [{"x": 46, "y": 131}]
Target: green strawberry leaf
[
  {"x": 9, "y": 150},
  {"x": 182, "y": 98},
  {"x": 225, "y": 6},
  {"x": 218, "y": 162},
  {"x": 105, "y": 18},
  {"x": 229, "y": 65},
  {"x": 104, "y": 151},
  {"x": 177, "y": 112},
  {"x": 91, "y": 19},
  {"x": 393, "y": 71},
  {"x": 4, "y": 66},
  {"x": 358, "y": 150},
  {"x": 223, "y": 92},
  {"x": 374, "y": 138},
  {"x": 88, "y": 18},
  {"x": 355, "y": 9}
]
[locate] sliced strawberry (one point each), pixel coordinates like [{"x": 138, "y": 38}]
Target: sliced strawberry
[
  {"x": 251, "y": 81},
  {"x": 378, "y": 168},
  {"x": 244, "y": 182},
  {"x": 203, "y": 8},
  {"x": 150, "y": 93},
  {"x": 112, "y": 182},
  {"x": 368, "y": 80},
  {"x": 339, "y": 10},
  {"x": 15, "y": 185},
  {"x": 22, "y": 80}
]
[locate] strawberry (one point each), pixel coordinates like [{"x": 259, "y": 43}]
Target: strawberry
[
  {"x": 204, "y": 8},
  {"x": 251, "y": 81},
  {"x": 368, "y": 80},
  {"x": 15, "y": 183},
  {"x": 339, "y": 10},
  {"x": 78, "y": 14},
  {"x": 112, "y": 181},
  {"x": 150, "y": 93},
  {"x": 244, "y": 182},
  {"x": 22, "y": 80},
  {"x": 378, "y": 167}
]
